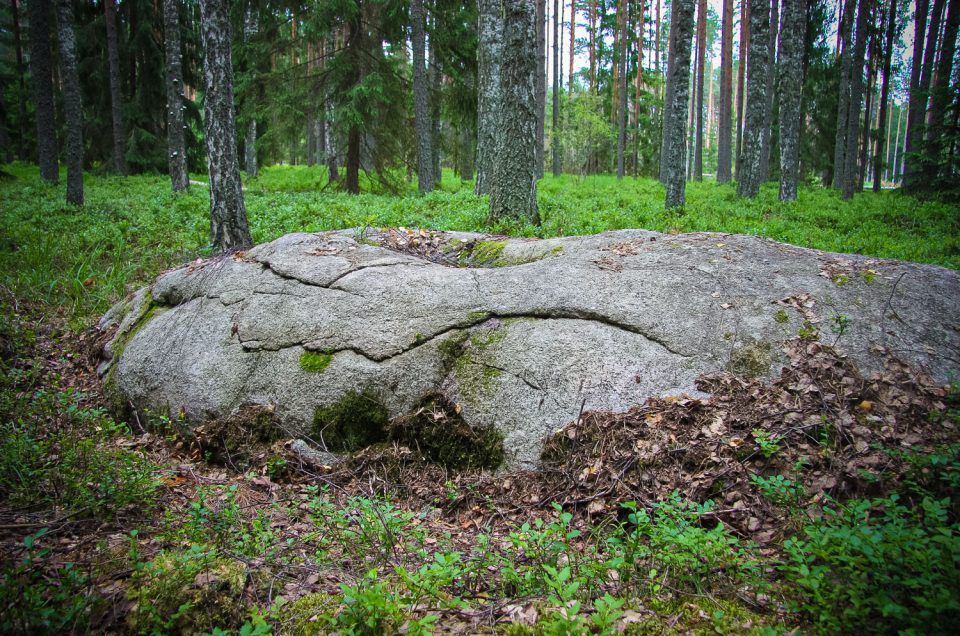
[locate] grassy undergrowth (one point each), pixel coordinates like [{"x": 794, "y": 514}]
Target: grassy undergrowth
[
  {"x": 216, "y": 559},
  {"x": 82, "y": 260}
]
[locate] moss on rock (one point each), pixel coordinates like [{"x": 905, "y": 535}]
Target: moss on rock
[
  {"x": 353, "y": 422},
  {"x": 315, "y": 361}
]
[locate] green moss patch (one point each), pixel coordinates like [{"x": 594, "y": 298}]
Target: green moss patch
[
  {"x": 355, "y": 421},
  {"x": 315, "y": 361},
  {"x": 437, "y": 430},
  {"x": 751, "y": 360}
]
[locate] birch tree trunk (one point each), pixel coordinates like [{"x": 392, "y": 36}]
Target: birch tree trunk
[
  {"x": 421, "y": 99},
  {"x": 228, "y": 215},
  {"x": 176, "y": 144},
  {"x": 791, "y": 60},
  {"x": 678, "y": 76},
  {"x": 489, "y": 50},
  {"x": 72, "y": 107},
  {"x": 513, "y": 192},
  {"x": 748, "y": 179},
  {"x": 41, "y": 78},
  {"x": 724, "y": 172}
]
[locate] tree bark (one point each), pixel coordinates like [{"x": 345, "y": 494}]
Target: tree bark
[
  {"x": 329, "y": 132},
  {"x": 176, "y": 144},
  {"x": 843, "y": 102},
  {"x": 228, "y": 214},
  {"x": 573, "y": 44},
  {"x": 21, "y": 74},
  {"x": 436, "y": 81},
  {"x": 592, "y": 16},
  {"x": 513, "y": 192},
  {"x": 423, "y": 128},
  {"x": 741, "y": 75},
  {"x": 724, "y": 168},
  {"x": 489, "y": 51},
  {"x": 667, "y": 140},
  {"x": 621, "y": 106},
  {"x": 72, "y": 107},
  {"x": 556, "y": 88},
  {"x": 748, "y": 179},
  {"x": 916, "y": 118},
  {"x": 541, "y": 18},
  {"x": 851, "y": 176},
  {"x": 41, "y": 75},
  {"x": 766, "y": 134},
  {"x": 791, "y": 60},
  {"x": 940, "y": 95},
  {"x": 701, "y": 62},
  {"x": 884, "y": 141},
  {"x": 678, "y": 77},
  {"x": 116, "y": 101}
]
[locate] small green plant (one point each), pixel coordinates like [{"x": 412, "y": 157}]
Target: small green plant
[
  {"x": 768, "y": 443},
  {"x": 781, "y": 316},
  {"x": 779, "y": 489},
  {"x": 839, "y": 325},
  {"x": 808, "y": 331}
]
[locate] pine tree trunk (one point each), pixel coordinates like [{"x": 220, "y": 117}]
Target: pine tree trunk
[
  {"x": 41, "y": 75},
  {"x": 851, "y": 175},
  {"x": 72, "y": 107},
  {"x": 21, "y": 74},
  {"x": 878, "y": 163},
  {"x": 116, "y": 102},
  {"x": 555, "y": 136},
  {"x": 573, "y": 44},
  {"x": 767, "y": 132},
  {"x": 621, "y": 107},
  {"x": 489, "y": 52},
  {"x": 513, "y": 192},
  {"x": 667, "y": 140},
  {"x": 741, "y": 75},
  {"x": 423, "y": 128},
  {"x": 678, "y": 76},
  {"x": 541, "y": 84},
  {"x": 917, "y": 117},
  {"x": 176, "y": 144},
  {"x": 940, "y": 96},
  {"x": 701, "y": 62},
  {"x": 791, "y": 59},
  {"x": 436, "y": 80},
  {"x": 865, "y": 130},
  {"x": 749, "y": 178},
  {"x": 329, "y": 132},
  {"x": 228, "y": 214},
  {"x": 843, "y": 102},
  {"x": 724, "y": 168}
]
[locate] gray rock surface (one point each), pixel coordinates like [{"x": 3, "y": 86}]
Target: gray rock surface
[{"x": 594, "y": 322}]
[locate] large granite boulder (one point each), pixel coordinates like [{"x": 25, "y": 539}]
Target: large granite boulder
[{"x": 514, "y": 336}]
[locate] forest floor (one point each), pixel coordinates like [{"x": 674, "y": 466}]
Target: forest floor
[{"x": 820, "y": 501}]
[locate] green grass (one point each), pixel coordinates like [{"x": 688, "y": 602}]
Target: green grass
[{"x": 82, "y": 260}]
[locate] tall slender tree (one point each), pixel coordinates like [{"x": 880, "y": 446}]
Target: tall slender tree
[
  {"x": 940, "y": 95},
  {"x": 513, "y": 192},
  {"x": 845, "y": 50},
  {"x": 228, "y": 214},
  {"x": 541, "y": 81},
  {"x": 573, "y": 44},
  {"x": 555, "y": 136},
  {"x": 885, "y": 111},
  {"x": 748, "y": 178},
  {"x": 701, "y": 61},
  {"x": 724, "y": 168},
  {"x": 791, "y": 73},
  {"x": 41, "y": 75},
  {"x": 675, "y": 118},
  {"x": 251, "y": 29},
  {"x": 741, "y": 75},
  {"x": 920, "y": 96},
  {"x": 421, "y": 98},
  {"x": 21, "y": 75},
  {"x": 766, "y": 132},
  {"x": 176, "y": 142},
  {"x": 116, "y": 101},
  {"x": 489, "y": 53},
  {"x": 851, "y": 175},
  {"x": 621, "y": 105},
  {"x": 72, "y": 106}
]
